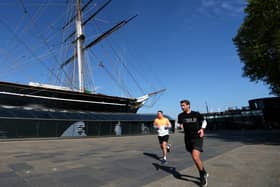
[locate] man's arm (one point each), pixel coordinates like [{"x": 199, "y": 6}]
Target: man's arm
[
  {"x": 155, "y": 125},
  {"x": 204, "y": 124},
  {"x": 181, "y": 126},
  {"x": 168, "y": 124},
  {"x": 203, "y": 127},
  {"x": 179, "y": 121}
]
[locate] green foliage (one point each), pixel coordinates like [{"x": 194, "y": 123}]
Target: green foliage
[{"x": 258, "y": 43}]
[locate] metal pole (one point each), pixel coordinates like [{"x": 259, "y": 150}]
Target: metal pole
[{"x": 80, "y": 41}]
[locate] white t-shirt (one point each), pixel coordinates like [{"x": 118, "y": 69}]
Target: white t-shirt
[
  {"x": 161, "y": 124},
  {"x": 162, "y": 131}
]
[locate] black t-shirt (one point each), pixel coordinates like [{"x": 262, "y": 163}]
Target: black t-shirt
[{"x": 191, "y": 121}]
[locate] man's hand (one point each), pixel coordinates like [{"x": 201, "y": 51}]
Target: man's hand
[
  {"x": 167, "y": 127},
  {"x": 181, "y": 127},
  {"x": 201, "y": 133}
]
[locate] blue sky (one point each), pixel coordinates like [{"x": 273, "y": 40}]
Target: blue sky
[{"x": 183, "y": 46}]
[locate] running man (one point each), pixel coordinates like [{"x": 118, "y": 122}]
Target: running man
[
  {"x": 162, "y": 124},
  {"x": 194, "y": 125}
]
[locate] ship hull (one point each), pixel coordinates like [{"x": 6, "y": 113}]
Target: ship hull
[{"x": 19, "y": 95}]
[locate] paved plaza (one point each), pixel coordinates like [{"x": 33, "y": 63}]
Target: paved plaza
[{"x": 232, "y": 158}]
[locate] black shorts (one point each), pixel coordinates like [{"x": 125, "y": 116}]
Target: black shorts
[
  {"x": 193, "y": 143},
  {"x": 162, "y": 139}
]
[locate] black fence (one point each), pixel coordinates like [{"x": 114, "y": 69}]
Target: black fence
[
  {"x": 22, "y": 123},
  {"x": 238, "y": 119},
  {"x": 262, "y": 113}
]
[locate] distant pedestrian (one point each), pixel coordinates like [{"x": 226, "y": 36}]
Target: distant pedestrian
[
  {"x": 194, "y": 125},
  {"x": 118, "y": 129},
  {"x": 162, "y": 124}
]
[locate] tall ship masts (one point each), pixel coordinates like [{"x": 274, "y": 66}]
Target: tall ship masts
[
  {"x": 80, "y": 43},
  {"x": 46, "y": 96}
]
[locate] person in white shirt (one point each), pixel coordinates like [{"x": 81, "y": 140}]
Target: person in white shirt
[{"x": 162, "y": 124}]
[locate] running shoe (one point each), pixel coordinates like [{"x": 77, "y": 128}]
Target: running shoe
[
  {"x": 169, "y": 148},
  {"x": 163, "y": 161},
  {"x": 203, "y": 179}
]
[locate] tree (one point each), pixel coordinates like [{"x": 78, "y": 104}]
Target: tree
[{"x": 258, "y": 43}]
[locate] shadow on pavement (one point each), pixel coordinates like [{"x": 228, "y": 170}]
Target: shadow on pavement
[
  {"x": 267, "y": 137},
  {"x": 152, "y": 155},
  {"x": 176, "y": 174}
]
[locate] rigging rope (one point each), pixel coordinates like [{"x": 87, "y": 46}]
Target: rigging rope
[
  {"x": 46, "y": 41},
  {"x": 23, "y": 6},
  {"x": 126, "y": 68},
  {"x": 123, "y": 65},
  {"x": 110, "y": 74},
  {"x": 30, "y": 50}
]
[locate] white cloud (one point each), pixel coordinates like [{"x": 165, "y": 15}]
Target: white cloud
[
  {"x": 222, "y": 7},
  {"x": 208, "y": 3},
  {"x": 235, "y": 8}
]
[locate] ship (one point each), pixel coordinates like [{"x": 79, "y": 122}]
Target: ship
[{"x": 55, "y": 97}]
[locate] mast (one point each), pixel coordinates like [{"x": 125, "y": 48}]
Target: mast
[{"x": 80, "y": 41}]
